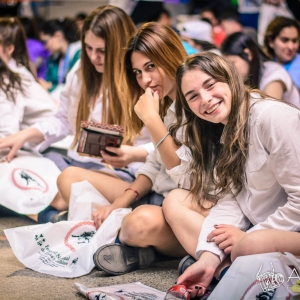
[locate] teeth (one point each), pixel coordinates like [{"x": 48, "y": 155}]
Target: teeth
[{"x": 213, "y": 108}]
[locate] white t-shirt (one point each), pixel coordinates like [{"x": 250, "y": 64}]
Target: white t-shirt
[{"x": 273, "y": 71}]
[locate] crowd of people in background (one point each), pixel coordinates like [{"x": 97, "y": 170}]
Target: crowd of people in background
[{"x": 210, "y": 104}]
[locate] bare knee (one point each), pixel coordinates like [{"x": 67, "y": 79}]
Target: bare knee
[
  {"x": 170, "y": 209},
  {"x": 65, "y": 180},
  {"x": 138, "y": 226}
]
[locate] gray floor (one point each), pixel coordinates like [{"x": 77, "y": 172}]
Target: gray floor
[{"x": 18, "y": 282}]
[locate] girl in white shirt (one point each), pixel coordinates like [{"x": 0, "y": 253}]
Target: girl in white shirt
[
  {"x": 92, "y": 93},
  {"x": 254, "y": 166},
  {"x": 23, "y": 102},
  {"x": 257, "y": 70}
]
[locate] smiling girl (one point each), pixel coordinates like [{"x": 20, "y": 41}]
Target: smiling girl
[
  {"x": 281, "y": 41},
  {"x": 254, "y": 165}
]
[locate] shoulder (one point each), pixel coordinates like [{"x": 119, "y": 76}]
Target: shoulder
[
  {"x": 264, "y": 112},
  {"x": 273, "y": 71}
]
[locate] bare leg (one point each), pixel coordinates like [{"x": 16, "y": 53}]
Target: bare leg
[
  {"x": 185, "y": 218},
  {"x": 110, "y": 187},
  {"x": 146, "y": 226},
  {"x": 267, "y": 240}
]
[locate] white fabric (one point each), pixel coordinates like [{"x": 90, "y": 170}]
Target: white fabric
[
  {"x": 261, "y": 276},
  {"x": 164, "y": 180},
  {"x": 64, "y": 122},
  {"x": 270, "y": 197},
  {"x": 33, "y": 106},
  {"x": 65, "y": 249},
  {"x": 28, "y": 183},
  {"x": 198, "y": 30},
  {"x": 249, "y": 6},
  {"x": 273, "y": 71}
]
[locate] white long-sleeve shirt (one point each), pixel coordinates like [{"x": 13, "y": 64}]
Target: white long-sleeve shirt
[
  {"x": 270, "y": 197},
  {"x": 34, "y": 105},
  {"x": 164, "y": 180},
  {"x": 63, "y": 123}
]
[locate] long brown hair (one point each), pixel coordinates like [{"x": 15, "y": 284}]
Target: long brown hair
[
  {"x": 12, "y": 33},
  {"x": 160, "y": 44},
  {"x": 213, "y": 162},
  {"x": 10, "y": 82},
  {"x": 115, "y": 27}
]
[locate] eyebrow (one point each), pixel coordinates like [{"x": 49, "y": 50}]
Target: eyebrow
[
  {"x": 192, "y": 91},
  {"x": 100, "y": 48},
  {"x": 144, "y": 65}
]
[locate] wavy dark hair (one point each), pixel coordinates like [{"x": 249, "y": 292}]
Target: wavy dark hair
[
  {"x": 10, "y": 82},
  {"x": 66, "y": 26},
  {"x": 216, "y": 168},
  {"x": 160, "y": 44},
  {"x": 235, "y": 44},
  {"x": 115, "y": 27},
  {"x": 274, "y": 29},
  {"x": 12, "y": 33}
]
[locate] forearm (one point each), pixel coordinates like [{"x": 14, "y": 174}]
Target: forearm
[
  {"x": 142, "y": 185},
  {"x": 140, "y": 154},
  {"x": 33, "y": 135},
  {"x": 167, "y": 148}
]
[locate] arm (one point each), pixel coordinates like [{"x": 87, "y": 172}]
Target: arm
[
  {"x": 278, "y": 132},
  {"x": 275, "y": 89},
  {"x": 58, "y": 127},
  {"x": 147, "y": 109},
  {"x": 226, "y": 211}
]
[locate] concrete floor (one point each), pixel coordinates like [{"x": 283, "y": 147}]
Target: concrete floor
[{"x": 19, "y": 282}]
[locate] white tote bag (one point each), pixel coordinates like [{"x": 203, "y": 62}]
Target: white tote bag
[
  {"x": 65, "y": 249},
  {"x": 28, "y": 183},
  {"x": 260, "y": 277}
]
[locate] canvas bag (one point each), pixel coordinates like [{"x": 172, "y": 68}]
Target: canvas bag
[
  {"x": 65, "y": 249},
  {"x": 28, "y": 183},
  {"x": 262, "y": 276}
]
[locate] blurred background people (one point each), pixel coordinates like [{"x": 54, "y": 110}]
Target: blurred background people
[
  {"x": 257, "y": 70},
  {"x": 37, "y": 52},
  {"x": 61, "y": 39},
  {"x": 282, "y": 45}
]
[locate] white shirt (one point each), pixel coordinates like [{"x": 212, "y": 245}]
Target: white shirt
[
  {"x": 270, "y": 197},
  {"x": 273, "y": 71},
  {"x": 64, "y": 121},
  {"x": 34, "y": 105},
  {"x": 164, "y": 180}
]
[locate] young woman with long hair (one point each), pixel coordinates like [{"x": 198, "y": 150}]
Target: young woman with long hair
[
  {"x": 150, "y": 62},
  {"x": 13, "y": 47},
  {"x": 257, "y": 70},
  {"x": 253, "y": 166},
  {"x": 23, "y": 101},
  {"x": 282, "y": 40},
  {"x": 91, "y": 93}
]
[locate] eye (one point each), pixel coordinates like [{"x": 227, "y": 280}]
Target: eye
[
  {"x": 136, "y": 72},
  {"x": 101, "y": 51},
  {"x": 210, "y": 85},
  {"x": 88, "y": 48},
  {"x": 150, "y": 66},
  {"x": 193, "y": 97}
]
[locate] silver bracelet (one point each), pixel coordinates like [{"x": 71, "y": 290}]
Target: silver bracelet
[{"x": 162, "y": 140}]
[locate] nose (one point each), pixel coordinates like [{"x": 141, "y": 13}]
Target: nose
[
  {"x": 146, "y": 79},
  {"x": 205, "y": 97}
]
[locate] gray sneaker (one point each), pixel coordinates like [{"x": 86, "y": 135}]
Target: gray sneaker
[
  {"x": 62, "y": 216},
  {"x": 185, "y": 263},
  {"x": 118, "y": 259}
]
